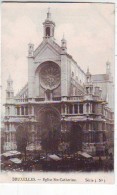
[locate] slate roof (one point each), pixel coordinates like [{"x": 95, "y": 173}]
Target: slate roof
[
  {"x": 100, "y": 77},
  {"x": 25, "y": 88}
]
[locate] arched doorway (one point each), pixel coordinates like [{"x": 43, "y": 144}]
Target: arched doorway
[{"x": 75, "y": 137}]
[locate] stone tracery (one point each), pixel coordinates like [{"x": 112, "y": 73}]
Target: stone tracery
[{"x": 50, "y": 76}]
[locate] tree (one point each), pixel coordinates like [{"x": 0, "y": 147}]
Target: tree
[
  {"x": 22, "y": 139},
  {"x": 50, "y": 140},
  {"x": 75, "y": 138},
  {"x": 2, "y": 141},
  {"x": 50, "y": 125}
]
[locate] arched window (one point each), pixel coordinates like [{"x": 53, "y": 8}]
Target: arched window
[
  {"x": 87, "y": 90},
  {"x": 48, "y": 31},
  {"x": 93, "y": 108},
  {"x": 18, "y": 111}
]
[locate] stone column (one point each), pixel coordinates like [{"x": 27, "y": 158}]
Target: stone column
[
  {"x": 99, "y": 108},
  {"x": 68, "y": 109},
  {"x": 90, "y": 137},
  {"x": 7, "y": 137},
  {"x": 62, "y": 110},
  {"x": 105, "y": 126},
  {"x": 37, "y": 85},
  {"x": 10, "y": 140},
  {"x": 33, "y": 137},
  {"x": 33, "y": 127},
  {"x": 78, "y": 108},
  {"x": 15, "y": 111},
  {"x": 91, "y": 126},
  {"x": 31, "y": 76},
  {"x": 90, "y": 107},
  {"x": 24, "y": 110},
  {"x": 33, "y": 110},
  {"x": 13, "y": 137},
  {"x": 51, "y": 96},
  {"x": 73, "y": 110},
  {"x": 100, "y": 137},
  {"x": 64, "y": 75},
  {"x": 100, "y": 126},
  {"x": 84, "y": 108},
  {"x": 65, "y": 109},
  {"x": 10, "y": 127},
  {"x": 45, "y": 95},
  {"x": 62, "y": 125},
  {"x": 20, "y": 110},
  {"x": 30, "y": 110}
]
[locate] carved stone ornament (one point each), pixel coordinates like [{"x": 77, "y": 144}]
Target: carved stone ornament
[{"x": 50, "y": 76}]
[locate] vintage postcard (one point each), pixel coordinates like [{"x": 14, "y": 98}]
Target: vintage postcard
[{"x": 57, "y": 116}]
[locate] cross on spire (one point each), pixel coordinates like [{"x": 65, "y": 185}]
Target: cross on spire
[
  {"x": 48, "y": 9},
  {"x": 48, "y": 13}
]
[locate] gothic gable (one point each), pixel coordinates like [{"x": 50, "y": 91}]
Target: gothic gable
[{"x": 49, "y": 51}]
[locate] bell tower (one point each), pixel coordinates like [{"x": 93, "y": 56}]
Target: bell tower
[
  {"x": 9, "y": 90},
  {"x": 88, "y": 85},
  {"x": 108, "y": 68},
  {"x": 49, "y": 27},
  {"x": 9, "y": 107},
  {"x": 64, "y": 45}
]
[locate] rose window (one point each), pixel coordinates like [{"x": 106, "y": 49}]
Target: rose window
[{"x": 50, "y": 76}]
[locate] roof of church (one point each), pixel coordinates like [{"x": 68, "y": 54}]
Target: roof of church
[
  {"x": 22, "y": 91},
  {"x": 57, "y": 47},
  {"x": 100, "y": 77}
]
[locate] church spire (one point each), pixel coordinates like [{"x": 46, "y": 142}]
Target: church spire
[
  {"x": 88, "y": 76},
  {"x": 49, "y": 26},
  {"x": 88, "y": 70},
  {"x": 48, "y": 14},
  {"x": 9, "y": 83},
  {"x": 9, "y": 90},
  {"x": 64, "y": 44},
  {"x": 108, "y": 67}
]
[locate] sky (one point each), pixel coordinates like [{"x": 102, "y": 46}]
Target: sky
[{"x": 87, "y": 27}]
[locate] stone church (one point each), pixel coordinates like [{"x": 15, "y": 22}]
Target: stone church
[{"x": 60, "y": 98}]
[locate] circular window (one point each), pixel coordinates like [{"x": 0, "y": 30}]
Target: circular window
[{"x": 50, "y": 76}]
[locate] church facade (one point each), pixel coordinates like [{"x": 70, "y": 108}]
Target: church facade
[{"x": 60, "y": 100}]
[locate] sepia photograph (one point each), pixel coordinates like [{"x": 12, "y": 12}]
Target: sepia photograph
[{"x": 57, "y": 88}]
